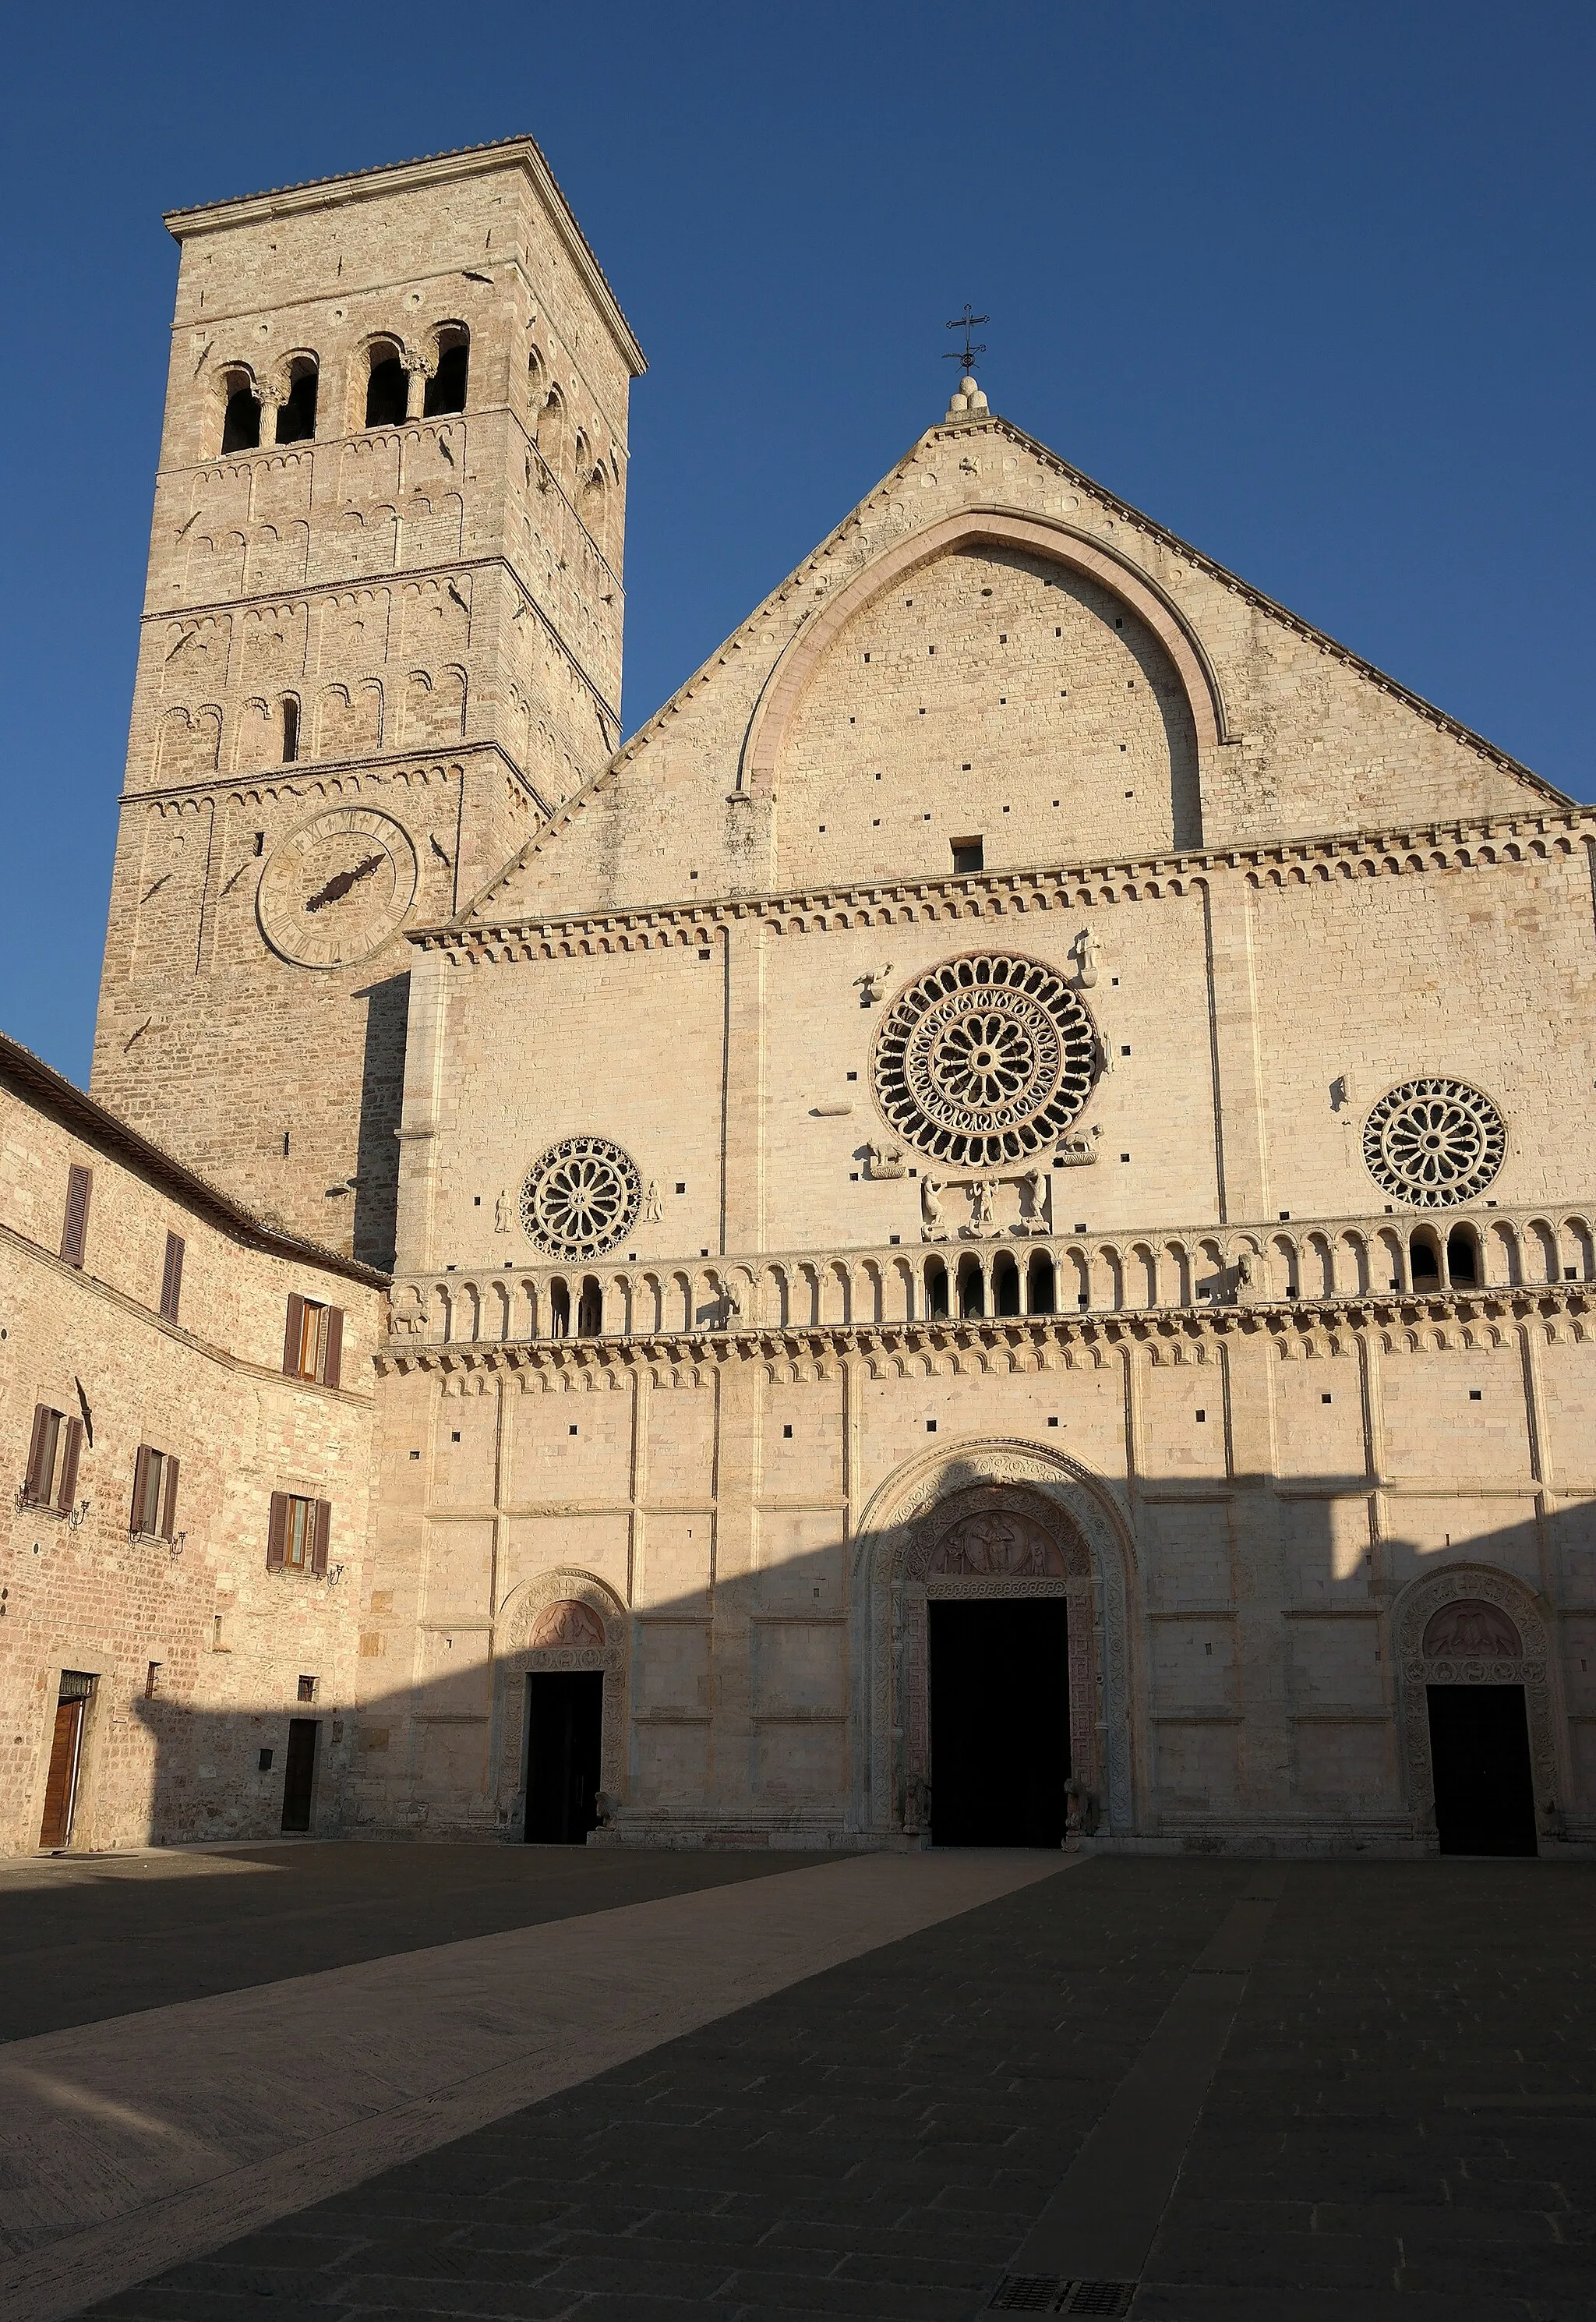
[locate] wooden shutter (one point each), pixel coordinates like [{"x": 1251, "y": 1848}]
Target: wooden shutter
[
  {"x": 75, "y": 1232},
  {"x": 66, "y": 1490},
  {"x": 171, "y": 1278},
  {"x": 292, "y": 1337},
  {"x": 323, "y": 1533},
  {"x": 169, "y": 1506},
  {"x": 140, "y": 1487},
  {"x": 276, "y": 1531},
  {"x": 333, "y": 1359},
  {"x": 41, "y": 1451}
]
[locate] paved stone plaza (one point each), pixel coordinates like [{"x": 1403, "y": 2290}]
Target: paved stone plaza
[{"x": 1288, "y": 2090}]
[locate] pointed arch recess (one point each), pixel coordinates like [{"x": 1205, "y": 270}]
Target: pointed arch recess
[
  {"x": 1534, "y": 1667},
  {"x": 1000, "y": 528}
]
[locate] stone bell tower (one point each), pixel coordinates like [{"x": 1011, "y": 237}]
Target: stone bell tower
[{"x": 381, "y": 640}]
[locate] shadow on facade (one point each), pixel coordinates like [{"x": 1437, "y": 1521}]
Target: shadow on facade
[
  {"x": 382, "y": 1092},
  {"x": 751, "y": 1727}
]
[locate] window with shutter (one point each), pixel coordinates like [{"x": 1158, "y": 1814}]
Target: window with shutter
[
  {"x": 155, "y": 1493},
  {"x": 276, "y": 1533},
  {"x": 66, "y": 1490},
  {"x": 323, "y": 1533},
  {"x": 39, "y": 1486},
  {"x": 312, "y": 1342},
  {"x": 75, "y": 1230},
  {"x": 171, "y": 1278}
]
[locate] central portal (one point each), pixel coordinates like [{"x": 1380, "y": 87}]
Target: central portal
[
  {"x": 999, "y": 1708},
  {"x": 565, "y": 1731}
]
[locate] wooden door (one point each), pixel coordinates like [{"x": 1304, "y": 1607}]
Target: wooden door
[
  {"x": 299, "y": 1773},
  {"x": 61, "y": 1788}
]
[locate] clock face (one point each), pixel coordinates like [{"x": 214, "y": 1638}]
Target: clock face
[{"x": 336, "y": 889}]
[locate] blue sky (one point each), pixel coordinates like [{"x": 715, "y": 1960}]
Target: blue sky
[{"x": 1310, "y": 284}]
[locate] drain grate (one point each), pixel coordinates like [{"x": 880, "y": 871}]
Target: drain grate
[{"x": 1050, "y": 2293}]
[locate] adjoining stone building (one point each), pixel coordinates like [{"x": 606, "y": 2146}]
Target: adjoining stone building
[
  {"x": 187, "y": 1402},
  {"x": 983, "y": 1221}
]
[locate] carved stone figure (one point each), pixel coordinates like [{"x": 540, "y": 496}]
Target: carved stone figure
[
  {"x": 930, "y": 1208},
  {"x": 1033, "y": 1202},
  {"x": 886, "y": 1161},
  {"x": 1084, "y": 952},
  {"x": 501, "y": 1213},
  {"x": 606, "y": 1809},
  {"x": 873, "y": 985},
  {"x": 653, "y": 1209},
  {"x": 1079, "y": 1151},
  {"x": 569, "y": 1622},
  {"x": 1080, "y": 1812},
  {"x": 997, "y": 1543},
  {"x": 1470, "y": 1629},
  {"x": 982, "y": 1192},
  {"x": 916, "y": 1804}
]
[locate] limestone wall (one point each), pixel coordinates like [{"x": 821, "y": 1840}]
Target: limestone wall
[{"x": 1270, "y": 1491}]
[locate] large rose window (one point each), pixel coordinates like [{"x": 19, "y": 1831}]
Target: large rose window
[
  {"x": 985, "y": 1060},
  {"x": 1434, "y": 1143},
  {"x": 580, "y": 1198}
]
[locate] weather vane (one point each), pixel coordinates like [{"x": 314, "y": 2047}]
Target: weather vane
[{"x": 967, "y": 323}]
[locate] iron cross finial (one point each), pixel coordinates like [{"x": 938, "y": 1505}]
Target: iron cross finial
[{"x": 968, "y": 322}]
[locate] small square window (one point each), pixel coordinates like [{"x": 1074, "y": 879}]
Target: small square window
[
  {"x": 1052, "y": 1419},
  {"x": 307, "y": 1688},
  {"x": 1473, "y": 1394},
  {"x": 853, "y": 1076},
  {"x": 787, "y": 1432},
  {"x": 894, "y": 1238},
  {"x": 1125, "y": 1157},
  {"x": 931, "y": 1427},
  {"x": 1202, "y": 1416},
  {"x": 573, "y": 1430},
  {"x": 681, "y": 1188},
  {"x": 476, "y": 1200},
  {"x": 969, "y": 854},
  {"x": 1324, "y": 1398},
  {"x": 416, "y": 1455},
  {"x": 454, "y": 1435},
  {"x": 703, "y": 954},
  {"x": 1124, "y": 1051},
  {"x": 265, "y": 1761},
  {"x": 854, "y": 1176}
]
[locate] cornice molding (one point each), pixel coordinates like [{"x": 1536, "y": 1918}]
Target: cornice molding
[
  {"x": 590, "y": 1363},
  {"x": 403, "y": 177},
  {"x": 1451, "y": 844}
]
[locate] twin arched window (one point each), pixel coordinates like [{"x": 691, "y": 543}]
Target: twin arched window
[
  {"x": 296, "y": 414},
  {"x": 386, "y": 396},
  {"x": 387, "y": 378}
]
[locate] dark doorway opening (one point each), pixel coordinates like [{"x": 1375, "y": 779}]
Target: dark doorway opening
[
  {"x": 1000, "y": 1721},
  {"x": 1480, "y": 1753},
  {"x": 66, "y": 1757},
  {"x": 300, "y": 1772},
  {"x": 564, "y": 1727}
]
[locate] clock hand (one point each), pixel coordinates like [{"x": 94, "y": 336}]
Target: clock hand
[{"x": 340, "y": 885}]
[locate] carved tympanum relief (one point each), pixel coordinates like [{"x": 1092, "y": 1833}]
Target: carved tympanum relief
[
  {"x": 1434, "y": 1143},
  {"x": 1468, "y": 1630},
  {"x": 580, "y": 1198},
  {"x": 1003, "y": 1543},
  {"x": 985, "y": 1060},
  {"x": 566, "y": 1623}
]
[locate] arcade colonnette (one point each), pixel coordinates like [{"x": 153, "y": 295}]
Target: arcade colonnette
[{"x": 987, "y": 1229}]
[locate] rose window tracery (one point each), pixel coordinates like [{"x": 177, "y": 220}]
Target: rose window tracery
[
  {"x": 985, "y": 1059},
  {"x": 1434, "y": 1143},
  {"x": 580, "y": 1198}
]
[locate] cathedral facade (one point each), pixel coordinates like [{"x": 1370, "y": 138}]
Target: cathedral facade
[{"x": 1035, "y": 1296}]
